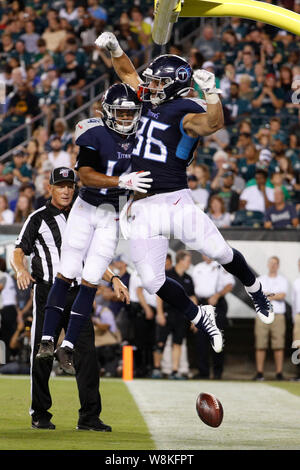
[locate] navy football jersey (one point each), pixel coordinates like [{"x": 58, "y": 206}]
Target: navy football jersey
[
  {"x": 113, "y": 158},
  {"x": 163, "y": 147}
]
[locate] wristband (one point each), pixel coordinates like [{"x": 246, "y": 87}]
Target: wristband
[
  {"x": 211, "y": 98},
  {"x": 115, "y": 275},
  {"x": 117, "y": 52}
]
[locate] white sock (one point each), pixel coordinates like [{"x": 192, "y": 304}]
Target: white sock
[
  {"x": 67, "y": 343},
  {"x": 254, "y": 288},
  {"x": 48, "y": 338}
]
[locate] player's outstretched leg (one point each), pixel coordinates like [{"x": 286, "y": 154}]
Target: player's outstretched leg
[
  {"x": 238, "y": 267},
  {"x": 80, "y": 312},
  {"x": 56, "y": 303},
  {"x": 203, "y": 317}
]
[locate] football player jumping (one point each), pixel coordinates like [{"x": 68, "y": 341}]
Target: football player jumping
[
  {"x": 170, "y": 127},
  {"x": 92, "y": 231}
]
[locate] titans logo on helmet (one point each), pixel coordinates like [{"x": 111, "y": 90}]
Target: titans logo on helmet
[{"x": 183, "y": 73}]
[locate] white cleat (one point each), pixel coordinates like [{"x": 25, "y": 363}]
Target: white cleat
[
  {"x": 206, "y": 321},
  {"x": 263, "y": 306}
]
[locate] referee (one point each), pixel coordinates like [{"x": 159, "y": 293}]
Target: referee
[{"x": 41, "y": 238}]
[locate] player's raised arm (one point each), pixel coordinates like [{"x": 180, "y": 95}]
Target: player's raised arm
[
  {"x": 211, "y": 121},
  {"x": 123, "y": 66}
]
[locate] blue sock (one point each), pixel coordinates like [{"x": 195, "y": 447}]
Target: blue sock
[
  {"x": 240, "y": 268},
  {"x": 80, "y": 312},
  {"x": 173, "y": 293},
  {"x": 56, "y": 303}
]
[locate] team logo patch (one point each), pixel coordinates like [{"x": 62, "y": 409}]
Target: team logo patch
[
  {"x": 125, "y": 146},
  {"x": 64, "y": 173},
  {"x": 183, "y": 73}
]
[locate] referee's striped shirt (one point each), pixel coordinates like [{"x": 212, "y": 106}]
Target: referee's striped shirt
[{"x": 40, "y": 238}]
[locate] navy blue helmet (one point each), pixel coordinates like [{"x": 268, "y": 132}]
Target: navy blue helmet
[
  {"x": 169, "y": 76},
  {"x": 121, "y": 109}
]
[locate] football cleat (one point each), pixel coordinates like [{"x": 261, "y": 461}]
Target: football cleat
[
  {"x": 97, "y": 425},
  {"x": 206, "y": 321},
  {"x": 263, "y": 306},
  {"x": 46, "y": 350},
  {"x": 65, "y": 358}
]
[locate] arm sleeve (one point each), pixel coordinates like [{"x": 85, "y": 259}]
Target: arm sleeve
[{"x": 87, "y": 156}]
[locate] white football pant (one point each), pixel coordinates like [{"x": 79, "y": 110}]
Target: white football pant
[
  {"x": 150, "y": 222},
  {"x": 91, "y": 236}
]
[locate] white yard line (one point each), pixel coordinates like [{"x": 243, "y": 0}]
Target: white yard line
[{"x": 256, "y": 416}]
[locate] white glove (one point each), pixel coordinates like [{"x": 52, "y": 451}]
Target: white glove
[
  {"x": 109, "y": 42},
  {"x": 135, "y": 181},
  {"x": 206, "y": 81}
]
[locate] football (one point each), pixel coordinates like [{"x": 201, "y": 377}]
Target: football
[{"x": 209, "y": 409}]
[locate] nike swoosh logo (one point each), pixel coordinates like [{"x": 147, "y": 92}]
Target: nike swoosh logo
[{"x": 174, "y": 203}]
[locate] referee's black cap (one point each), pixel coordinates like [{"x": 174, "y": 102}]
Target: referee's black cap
[{"x": 62, "y": 174}]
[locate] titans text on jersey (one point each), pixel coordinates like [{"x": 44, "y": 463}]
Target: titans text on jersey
[
  {"x": 108, "y": 153},
  {"x": 163, "y": 147}
]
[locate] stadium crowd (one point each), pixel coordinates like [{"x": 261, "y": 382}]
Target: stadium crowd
[{"x": 246, "y": 174}]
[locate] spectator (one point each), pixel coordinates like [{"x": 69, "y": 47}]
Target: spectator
[
  {"x": 220, "y": 160},
  {"x": 7, "y": 48},
  {"x": 18, "y": 167},
  {"x": 23, "y": 57},
  {"x": 245, "y": 63},
  {"x": 281, "y": 215},
  {"x": 57, "y": 156},
  {"x": 227, "y": 79},
  {"x": 140, "y": 27},
  {"x": 24, "y": 102},
  {"x": 48, "y": 99},
  {"x": 247, "y": 164},
  {"x": 119, "y": 267},
  {"x": 24, "y": 207},
  {"x": 54, "y": 36},
  {"x": 217, "y": 212},
  {"x": 202, "y": 174},
  {"x": 142, "y": 316},
  {"x": 270, "y": 98},
  {"x": 296, "y": 320},
  {"x": 278, "y": 285},
  {"x": 107, "y": 341},
  {"x": 6, "y": 215},
  {"x": 238, "y": 107},
  {"x": 208, "y": 44},
  {"x": 246, "y": 92},
  {"x": 61, "y": 130},
  {"x": 32, "y": 151},
  {"x": 69, "y": 12},
  {"x": 96, "y": 11},
  {"x": 200, "y": 195},
  {"x": 129, "y": 40},
  {"x": 30, "y": 38},
  {"x": 170, "y": 320},
  {"x": 212, "y": 283},
  {"x": 74, "y": 76},
  {"x": 270, "y": 57},
  {"x": 8, "y": 311},
  {"x": 20, "y": 348},
  {"x": 224, "y": 190},
  {"x": 257, "y": 197},
  {"x": 45, "y": 196}
]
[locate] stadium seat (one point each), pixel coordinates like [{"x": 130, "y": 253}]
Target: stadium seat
[{"x": 248, "y": 218}]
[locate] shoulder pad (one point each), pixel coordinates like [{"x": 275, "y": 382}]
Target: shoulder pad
[{"x": 86, "y": 124}]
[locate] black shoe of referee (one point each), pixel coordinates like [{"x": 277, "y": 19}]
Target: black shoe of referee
[
  {"x": 46, "y": 350},
  {"x": 65, "y": 358},
  {"x": 42, "y": 423},
  {"x": 96, "y": 425}
]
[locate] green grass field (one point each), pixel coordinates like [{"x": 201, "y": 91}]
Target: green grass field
[
  {"x": 119, "y": 410},
  {"x": 156, "y": 415}
]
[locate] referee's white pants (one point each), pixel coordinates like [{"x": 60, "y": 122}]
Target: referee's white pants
[
  {"x": 90, "y": 237},
  {"x": 149, "y": 224}
]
